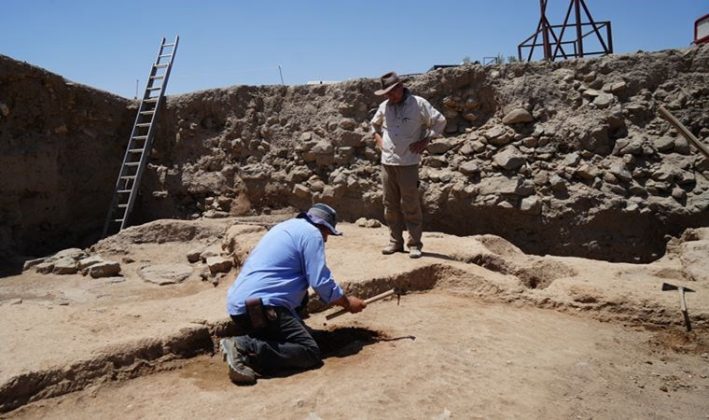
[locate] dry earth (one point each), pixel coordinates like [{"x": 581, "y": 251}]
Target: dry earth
[{"x": 486, "y": 331}]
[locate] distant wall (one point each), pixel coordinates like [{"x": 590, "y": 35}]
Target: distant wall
[
  {"x": 566, "y": 158},
  {"x": 60, "y": 148}
]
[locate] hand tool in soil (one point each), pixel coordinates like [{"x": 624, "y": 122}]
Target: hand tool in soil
[
  {"x": 395, "y": 291},
  {"x": 682, "y": 302}
]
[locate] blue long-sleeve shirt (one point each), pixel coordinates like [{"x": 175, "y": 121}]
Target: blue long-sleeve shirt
[{"x": 288, "y": 259}]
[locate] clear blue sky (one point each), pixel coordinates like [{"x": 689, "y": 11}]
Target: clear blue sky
[{"x": 109, "y": 44}]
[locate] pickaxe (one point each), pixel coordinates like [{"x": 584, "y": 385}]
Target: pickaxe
[
  {"x": 683, "y": 304},
  {"x": 395, "y": 291}
]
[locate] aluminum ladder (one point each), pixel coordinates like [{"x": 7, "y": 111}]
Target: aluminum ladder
[{"x": 141, "y": 139}]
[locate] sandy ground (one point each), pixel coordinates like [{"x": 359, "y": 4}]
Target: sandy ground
[{"x": 485, "y": 332}]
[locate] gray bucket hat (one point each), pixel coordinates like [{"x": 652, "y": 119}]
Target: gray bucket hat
[{"x": 323, "y": 215}]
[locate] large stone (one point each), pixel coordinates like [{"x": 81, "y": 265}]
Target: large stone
[
  {"x": 664, "y": 144},
  {"x": 694, "y": 260},
  {"x": 509, "y": 158},
  {"x": 349, "y": 138},
  {"x": 201, "y": 182},
  {"x": 557, "y": 183},
  {"x": 628, "y": 146},
  {"x": 301, "y": 191},
  {"x": 439, "y": 146},
  {"x": 348, "y": 124},
  {"x": 620, "y": 171},
  {"x": 572, "y": 159},
  {"x": 682, "y": 146},
  {"x": 44, "y": 267},
  {"x": 73, "y": 253},
  {"x": 31, "y": 263},
  {"x": 596, "y": 140},
  {"x": 65, "y": 265},
  {"x": 531, "y": 205},
  {"x": 617, "y": 88},
  {"x": 516, "y": 116},
  {"x": 193, "y": 256},
  {"x": 89, "y": 261},
  {"x": 497, "y": 185},
  {"x": 469, "y": 168},
  {"x": 498, "y": 135},
  {"x": 104, "y": 269},
  {"x": 219, "y": 265},
  {"x": 436, "y": 161},
  {"x": 603, "y": 100},
  {"x": 163, "y": 274},
  {"x": 586, "y": 172}
]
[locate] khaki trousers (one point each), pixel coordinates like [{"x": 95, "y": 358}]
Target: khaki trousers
[{"x": 401, "y": 204}]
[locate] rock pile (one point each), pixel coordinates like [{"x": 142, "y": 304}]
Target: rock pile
[
  {"x": 72, "y": 261},
  {"x": 564, "y": 158},
  {"x": 567, "y": 158}
]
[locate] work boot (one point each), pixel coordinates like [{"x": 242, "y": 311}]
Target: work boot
[
  {"x": 414, "y": 252},
  {"x": 391, "y": 248},
  {"x": 239, "y": 372}
]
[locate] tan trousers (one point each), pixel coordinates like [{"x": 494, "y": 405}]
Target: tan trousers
[{"x": 401, "y": 204}]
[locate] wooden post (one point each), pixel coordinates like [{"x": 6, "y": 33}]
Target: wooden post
[{"x": 682, "y": 129}]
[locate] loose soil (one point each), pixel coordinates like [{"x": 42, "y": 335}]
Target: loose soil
[
  {"x": 436, "y": 355},
  {"x": 485, "y": 331}
]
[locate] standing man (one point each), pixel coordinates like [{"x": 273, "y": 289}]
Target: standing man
[
  {"x": 265, "y": 299},
  {"x": 403, "y": 126}
]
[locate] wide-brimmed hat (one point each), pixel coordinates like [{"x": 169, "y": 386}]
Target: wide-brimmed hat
[
  {"x": 323, "y": 215},
  {"x": 389, "y": 81}
]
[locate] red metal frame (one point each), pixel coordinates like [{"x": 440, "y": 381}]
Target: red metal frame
[{"x": 696, "y": 26}]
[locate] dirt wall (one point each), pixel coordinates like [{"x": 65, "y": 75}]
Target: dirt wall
[
  {"x": 60, "y": 150},
  {"x": 566, "y": 158}
]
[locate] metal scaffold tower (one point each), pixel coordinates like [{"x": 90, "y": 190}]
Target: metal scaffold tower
[{"x": 553, "y": 43}]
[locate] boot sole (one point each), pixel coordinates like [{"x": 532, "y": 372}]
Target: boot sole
[{"x": 235, "y": 376}]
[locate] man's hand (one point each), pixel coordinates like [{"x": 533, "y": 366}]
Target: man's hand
[
  {"x": 378, "y": 141},
  {"x": 351, "y": 303},
  {"x": 356, "y": 304},
  {"x": 419, "y": 146}
]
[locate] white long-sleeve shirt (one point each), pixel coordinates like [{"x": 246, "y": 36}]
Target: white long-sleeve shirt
[{"x": 404, "y": 123}]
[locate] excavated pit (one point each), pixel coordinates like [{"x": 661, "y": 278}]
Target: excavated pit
[
  {"x": 602, "y": 179},
  {"x": 407, "y": 351},
  {"x": 150, "y": 356}
]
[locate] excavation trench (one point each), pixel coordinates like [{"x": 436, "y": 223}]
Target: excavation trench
[{"x": 151, "y": 355}]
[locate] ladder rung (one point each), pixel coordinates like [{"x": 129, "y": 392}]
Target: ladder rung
[
  {"x": 117, "y": 220},
  {"x": 123, "y": 191},
  {"x": 151, "y": 100},
  {"x": 147, "y": 112},
  {"x": 165, "y": 55},
  {"x": 122, "y": 206},
  {"x": 168, "y": 45},
  {"x": 132, "y": 163},
  {"x": 128, "y": 177},
  {"x": 140, "y": 137},
  {"x": 143, "y": 125},
  {"x": 161, "y": 65},
  {"x": 135, "y": 150},
  {"x": 162, "y": 76},
  {"x": 155, "y": 88}
]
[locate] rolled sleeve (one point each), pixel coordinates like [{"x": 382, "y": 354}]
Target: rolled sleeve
[
  {"x": 377, "y": 121},
  {"x": 435, "y": 121},
  {"x": 318, "y": 274}
]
